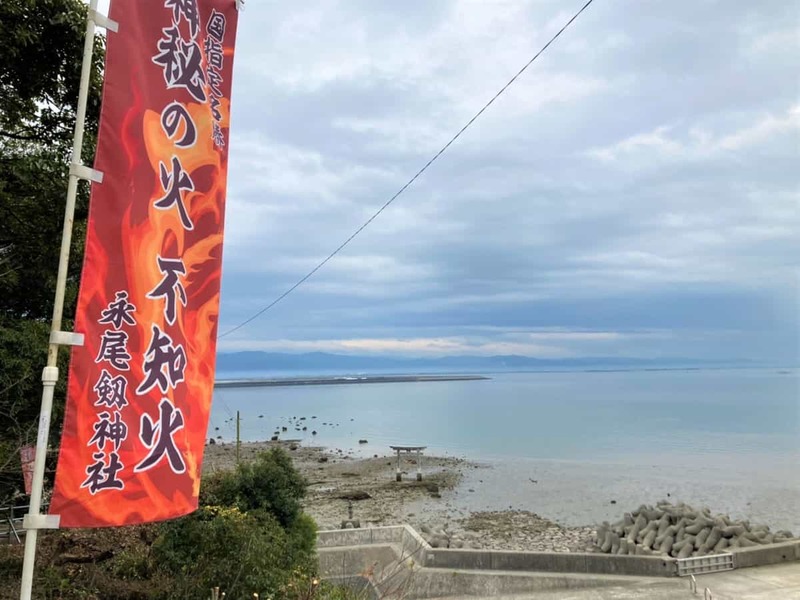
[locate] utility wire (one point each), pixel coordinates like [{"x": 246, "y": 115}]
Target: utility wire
[{"x": 410, "y": 181}]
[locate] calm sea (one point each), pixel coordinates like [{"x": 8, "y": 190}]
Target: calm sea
[{"x": 729, "y": 439}]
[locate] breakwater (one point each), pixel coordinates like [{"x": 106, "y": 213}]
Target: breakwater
[
  {"x": 681, "y": 531},
  {"x": 343, "y": 380}
]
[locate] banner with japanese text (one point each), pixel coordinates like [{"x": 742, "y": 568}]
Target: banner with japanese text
[
  {"x": 139, "y": 389},
  {"x": 27, "y": 457}
]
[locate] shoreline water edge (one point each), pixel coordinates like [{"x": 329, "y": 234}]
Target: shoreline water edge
[
  {"x": 339, "y": 482},
  {"x": 523, "y": 461},
  {"x": 344, "y": 487}
]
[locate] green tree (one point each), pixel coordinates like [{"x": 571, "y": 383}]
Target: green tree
[
  {"x": 269, "y": 483},
  {"x": 40, "y": 63},
  {"x": 249, "y": 536},
  {"x": 240, "y": 552}
]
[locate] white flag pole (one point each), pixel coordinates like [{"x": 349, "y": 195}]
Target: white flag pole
[{"x": 34, "y": 520}]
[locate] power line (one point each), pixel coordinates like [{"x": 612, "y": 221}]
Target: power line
[{"x": 410, "y": 181}]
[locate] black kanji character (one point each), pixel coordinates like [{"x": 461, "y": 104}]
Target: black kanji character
[
  {"x": 214, "y": 105},
  {"x": 119, "y": 311},
  {"x": 217, "y": 135},
  {"x": 186, "y": 9},
  {"x": 114, "y": 349},
  {"x": 173, "y": 184},
  {"x": 216, "y": 25},
  {"x": 163, "y": 363},
  {"x": 214, "y": 81},
  {"x": 171, "y": 118},
  {"x": 213, "y": 50},
  {"x": 111, "y": 390},
  {"x": 169, "y": 59},
  {"x": 170, "y": 286},
  {"x": 182, "y": 63},
  {"x": 102, "y": 476},
  {"x": 157, "y": 435},
  {"x": 107, "y": 430}
]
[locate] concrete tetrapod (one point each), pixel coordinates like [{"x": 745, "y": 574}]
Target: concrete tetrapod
[{"x": 681, "y": 531}]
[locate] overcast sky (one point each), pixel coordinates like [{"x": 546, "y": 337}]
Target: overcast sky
[{"x": 636, "y": 192}]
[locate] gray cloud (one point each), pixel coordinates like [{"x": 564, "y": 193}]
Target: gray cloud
[{"x": 640, "y": 177}]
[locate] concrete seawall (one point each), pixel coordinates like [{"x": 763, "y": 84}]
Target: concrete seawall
[
  {"x": 412, "y": 546},
  {"x": 552, "y": 562},
  {"x": 397, "y": 562},
  {"x": 766, "y": 555}
]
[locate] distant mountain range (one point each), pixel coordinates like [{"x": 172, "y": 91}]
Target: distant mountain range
[{"x": 322, "y": 362}]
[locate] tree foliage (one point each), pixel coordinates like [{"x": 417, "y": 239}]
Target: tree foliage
[
  {"x": 249, "y": 536},
  {"x": 40, "y": 63},
  {"x": 269, "y": 483},
  {"x": 40, "y": 72},
  {"x": 239, "y": 550}
]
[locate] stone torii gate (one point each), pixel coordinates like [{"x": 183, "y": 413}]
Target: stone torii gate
[{"x": 418, "y": 450}]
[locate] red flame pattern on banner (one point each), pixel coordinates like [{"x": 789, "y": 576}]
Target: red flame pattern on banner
[{"x": 126, "y": 234}]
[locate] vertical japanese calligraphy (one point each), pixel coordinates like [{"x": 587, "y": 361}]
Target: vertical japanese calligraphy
[
  {"x": 27, "y": 455},
  {"x": 139, "y": 390}
]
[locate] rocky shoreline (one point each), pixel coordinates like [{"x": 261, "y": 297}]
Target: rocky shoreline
[
  {"x": 348, "y": 491},
  {"x": 508, "y": 530},
  {"x": 340, "y": 483}
]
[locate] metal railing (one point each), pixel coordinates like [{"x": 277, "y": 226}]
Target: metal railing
[
  {"x": 11, "y": 522},
  {"x": 711, "y": 563},
  {"x": 693, "y": 588}
]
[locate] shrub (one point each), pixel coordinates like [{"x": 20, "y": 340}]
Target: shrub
[
  {"x": 302, "y": 539},
  {"x": 217, "y": 546},
  {"x": 249, "y": 536},
  {"x": 131, "y": 564},
  {"x": 269, "y": 483},
  {"x": 253, "y": 539}
]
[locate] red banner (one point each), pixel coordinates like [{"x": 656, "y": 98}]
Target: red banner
[
  {"x": 27, "y": 456},
  {"x": 139, "y": 390}
]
